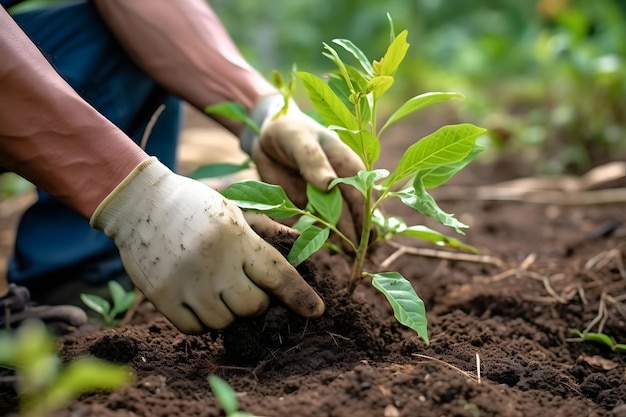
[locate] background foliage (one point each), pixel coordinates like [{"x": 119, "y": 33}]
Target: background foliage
[{"x": 545, "y": 76}]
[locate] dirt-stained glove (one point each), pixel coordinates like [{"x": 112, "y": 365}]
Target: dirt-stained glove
[
  {"x": 16, "y": 307},
  {"x": 192, "y": 253},
  {"x": 294, "y": 149}
]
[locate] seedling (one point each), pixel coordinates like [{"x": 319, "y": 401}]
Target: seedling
[
  {"x": 348, "y": 104},
  {"x": 122, "y": 301},
  {"x": 43, "y": 383},
  {"x": 601, "y": 338},
  {"x": 226, "y": 397}
]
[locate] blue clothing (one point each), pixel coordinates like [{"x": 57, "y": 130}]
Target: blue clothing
[{"x": 53, "y": 241}]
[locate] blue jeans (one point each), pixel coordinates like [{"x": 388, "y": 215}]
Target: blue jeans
[{"x": 52, "y": 241}]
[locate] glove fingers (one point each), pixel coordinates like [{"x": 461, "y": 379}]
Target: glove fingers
[
  {"x": 246, "y": 299},
  {"x": 271, "y": 272},
  {"x": 191, "y": 320},
  {"x": 274, "y": 173},
  {"x": 267, "y": 228}
]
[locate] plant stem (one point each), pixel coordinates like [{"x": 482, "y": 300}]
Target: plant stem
[{"x": 357, "y": 266}]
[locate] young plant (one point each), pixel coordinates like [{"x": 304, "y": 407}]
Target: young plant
[
  {"x": 348, "y": 104},
  {"x": 122, "y": 301},
  {"x": 43, "y": 383},
  {"x": 226, "y": 397},
  {"x": 601, "y": 338}
]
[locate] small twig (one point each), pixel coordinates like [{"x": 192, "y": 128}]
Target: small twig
[
  {"x": 130, "y": 313},
  {"x": 478, "y": 367},
  {"x": 600, "y": 317},
  {"x": 548, "y": 287},
  {"x": 332, "y": 336},
  {"x": 306, "y": 324},
  {"x": 439, "y": 361},
  {"x": 150, "y": 126},
  {"x": 433, "y": 253}
]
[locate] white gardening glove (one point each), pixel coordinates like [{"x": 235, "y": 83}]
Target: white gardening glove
[
  {"x": 294, "y": 149},
  {"x": 192, "y": 253}
]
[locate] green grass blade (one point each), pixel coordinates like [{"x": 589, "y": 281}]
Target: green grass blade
[{"x": 408, "y": 308}]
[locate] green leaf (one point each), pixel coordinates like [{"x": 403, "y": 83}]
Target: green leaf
[
  {"x": 122, "y": 299},
  {"x": 379, "y": 85},
  {"x": 307, "y": 244},
  {"x": 357, "y": 53},
  {"x": 430, "y": 235},
  {"x": 392, "y": 32},
  {"x": 326, "y": 102},
  {"x": 339, "y": 63},
  {"x": 218, "y": 170},
  {"x": 234, "y": 111},
  {"x": 434, "y": 177},
  {"x": 96, "y": 303},
  {"x": 362, "y": 142},
  {"x": 417, "y": 103},
  {"x": 84, "y": 375},
  {"x": 447, "y": 145},
  {"x": 408, "y": 308},
  {"x": 327, "y": 204},
  {"x": 395, "y": 55},
  {"x": 268, "y": 198},
  {"x": 423, "y": 202},
  {"x": 224, "y": 394},
  {"x": 303, "y": 223},
  {"x": 363, "y": 180}
]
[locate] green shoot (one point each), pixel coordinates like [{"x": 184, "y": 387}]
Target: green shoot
[
  {"x": 599, "y": 338},
  {"x": 226, "y": 397},
  {"x": 43, "y": 383},
  {"x": 122, "y": 301}
]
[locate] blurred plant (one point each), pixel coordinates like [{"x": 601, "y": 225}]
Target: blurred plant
[
  {"x": 122, "y": 301},
  {"x": 226, "y": 397},
  {"x": 43, "y": 383}
]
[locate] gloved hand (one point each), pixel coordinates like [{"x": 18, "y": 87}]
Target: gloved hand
[
  {"x": 16, "y": 306},
  {"x": 294, "y": 149},
  {"x": 192, "y": 253}
]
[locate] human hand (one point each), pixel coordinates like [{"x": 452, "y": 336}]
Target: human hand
[
  {"x": 294, "y": 149},
  {"x": 192, "y": 253}
]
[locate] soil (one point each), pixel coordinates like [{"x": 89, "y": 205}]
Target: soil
[{"x": 554, "y": 267}]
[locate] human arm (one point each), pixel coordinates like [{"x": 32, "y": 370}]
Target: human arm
[
  {"x": 183, "y": 45},
  {"x": 189, "y": 250}
]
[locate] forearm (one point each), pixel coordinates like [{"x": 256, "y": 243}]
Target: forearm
[
  {"x": 49, "y": 135},
  {"x": 185, "y": 48}
]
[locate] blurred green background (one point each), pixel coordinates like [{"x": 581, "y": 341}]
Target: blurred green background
[{"x": 547, "y": 77}]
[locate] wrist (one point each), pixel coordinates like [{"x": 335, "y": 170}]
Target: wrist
[{"x": 122, "y": 202}]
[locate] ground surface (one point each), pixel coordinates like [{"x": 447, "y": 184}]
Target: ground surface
[{"x": 554, "y": 267}]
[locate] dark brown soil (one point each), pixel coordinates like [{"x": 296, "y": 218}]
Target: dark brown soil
[{"x": 559, "y": 265}]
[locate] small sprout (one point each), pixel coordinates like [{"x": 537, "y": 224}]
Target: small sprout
[
  {"x": 44, "y": 384},
  {"x": 122, "y": 301},
  {"x": 226, "y": 397},
  {"x": 601, "y": 338}
]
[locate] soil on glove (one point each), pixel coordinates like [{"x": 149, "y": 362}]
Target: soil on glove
[{"x": 560, "y": 268}]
